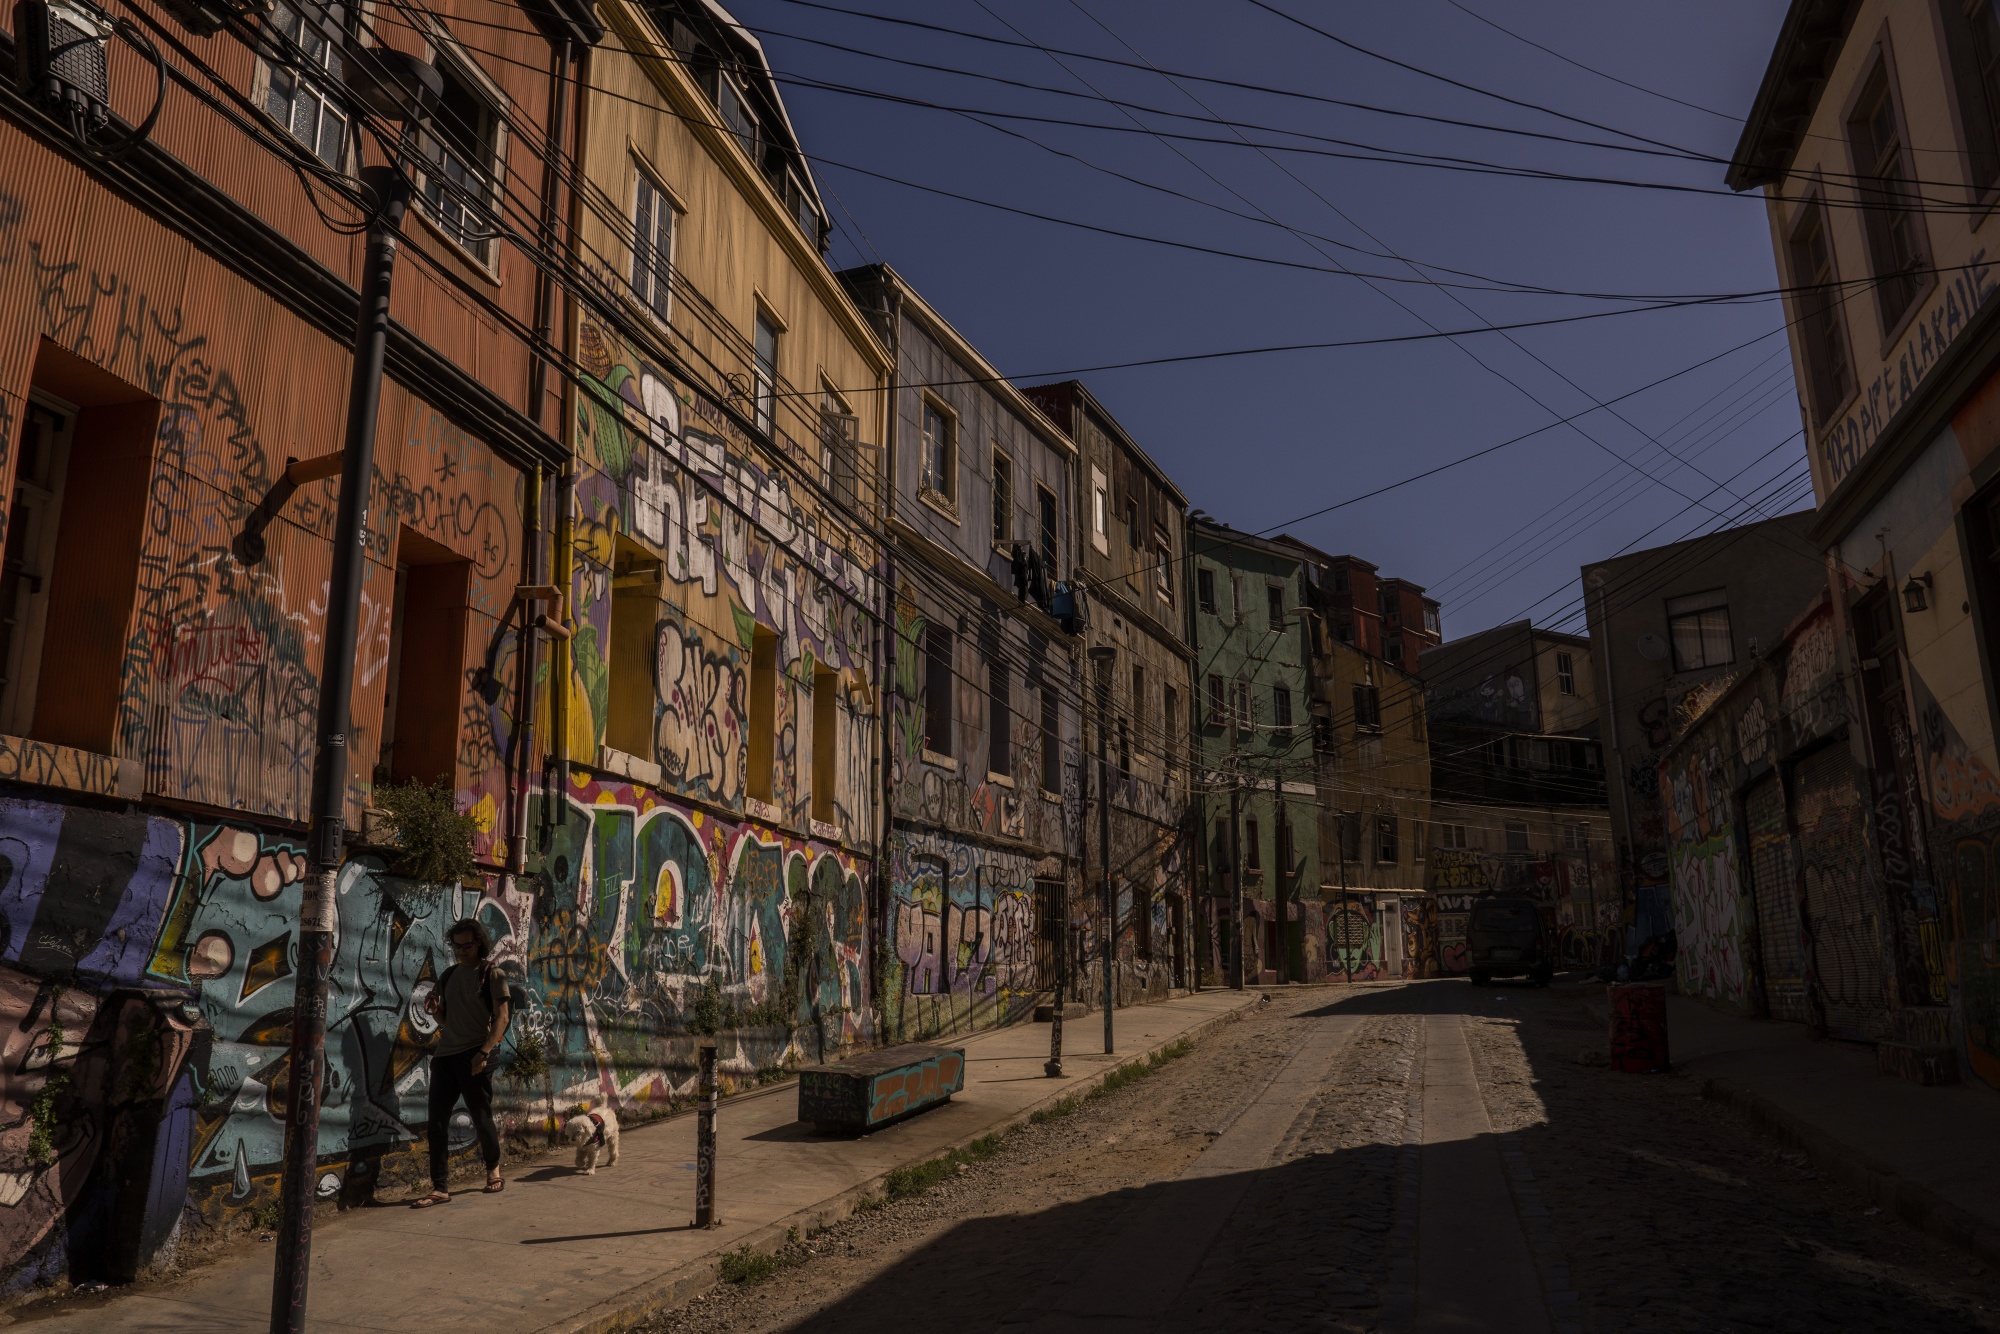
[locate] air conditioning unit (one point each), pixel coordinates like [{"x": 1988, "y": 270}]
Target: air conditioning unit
[{"x": 60, "y": 59}]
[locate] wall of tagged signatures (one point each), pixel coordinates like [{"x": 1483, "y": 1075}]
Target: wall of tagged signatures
[
  {"x": 1577, "y": 896},
  {"x": 146, "y": 968}
]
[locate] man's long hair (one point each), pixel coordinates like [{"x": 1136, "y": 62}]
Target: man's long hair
[{"x": 470, "y": 926}]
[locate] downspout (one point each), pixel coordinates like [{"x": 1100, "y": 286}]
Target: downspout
[
  {"x": 555, "y": 782},
  {"x": 532, "y": 616},
  {"x": 886, "y": 648}
]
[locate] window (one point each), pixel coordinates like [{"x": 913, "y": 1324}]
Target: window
[
  {"x": 937, "y": 690},
  {"x": 1051, "y": 742},
  {"x": 652, "y": 246},
  {"x": 460, "y": 149},
  {"x": 1452, "y": 836},
  {"x": 1218, "y": 707},
  {"x": 736, "y": 114},
  {"x": 1045, "y": 524},
  {"x": 1822, "y": 327},
  {"x": 1170, "y": 705},
  {"x": 304, "y": 66},
  {"x": 1565, "y": 673},
  {"x": 1281, "y": 710},
  {"x": 940, "y": 452},
  {"x": 1367, "y": 708},
  {"x": 1003, "y": 500},
  {"x": 1100, "y": 512},
  {"x": 1517, "y": 837},
  {"x": 1576, "y": 836},
  {"x": 1350, "y": 836},
  {"x": 826, "y": 741},
  {"x": 635, "y": 615},
  {"x": 1698, "y": 628},
  {"x": 1882, "y": 177},
  {"x": 999, "y": 720},
  {"x": 1394, "y": 648},
  {"x": 1163, "y": 570},
  {"x": 1340, "y": 579},
  {"x": 1204, "y": 589},
  {"x": 1387, "y": 603},
  {"x": 1132, "y": 538},
  {"x": 1274, "y": 604},
  {"x": 1139, "y": 692},
  {"x": 1972, "y": 36},
  {"x": 1253, "y": 847},
  {"x": 1124, "y": 749},
  {"x": 1240, "y": 705},
  {"x": 1386, "y": 850},
  {"x": 761, "y": 721},
  {"x": 840, "y": 432},
  {"x": 1432, "y": 625},
  {"x": 27, "y": 574},
  {"x": 424, "y": 675},
  {"x": 1236, "y": 607},
  {"x": 764, "y": 373}
]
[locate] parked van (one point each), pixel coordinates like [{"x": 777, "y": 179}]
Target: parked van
[{"x": 1508, "y": 938}]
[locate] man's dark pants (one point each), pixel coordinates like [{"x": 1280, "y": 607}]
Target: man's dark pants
[{"x": 452, "y": 1079}]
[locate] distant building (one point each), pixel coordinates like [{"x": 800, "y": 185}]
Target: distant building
[
  {"x": 1517, "y": 788},
  {"x": 1671, "y": 628},
  {"x": 1257, "y": 822},
  {"x": 1130, "y": 538}
]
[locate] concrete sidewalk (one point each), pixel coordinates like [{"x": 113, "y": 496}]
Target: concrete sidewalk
[
  {"x": 1930, "y": 1155},
  {"x": 562, "y": 1252}
]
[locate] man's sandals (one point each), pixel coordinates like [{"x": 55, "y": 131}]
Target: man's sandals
[{"x": 431, "y": 1200}]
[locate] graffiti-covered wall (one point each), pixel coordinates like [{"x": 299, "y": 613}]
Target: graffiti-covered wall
[
  {"x": 682, "y": 504},
  {"x": 146, "y": 967}
]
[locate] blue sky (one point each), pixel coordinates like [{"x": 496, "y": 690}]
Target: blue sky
[{"x": 1259, "y": 441}]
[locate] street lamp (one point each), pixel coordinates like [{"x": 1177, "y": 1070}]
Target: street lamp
[
  {"x": 1101, "y": 659},
  {"x": 403, "y": 89}
]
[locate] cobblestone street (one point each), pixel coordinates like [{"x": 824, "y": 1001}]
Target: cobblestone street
[{"x": 1310, "y": 1167}]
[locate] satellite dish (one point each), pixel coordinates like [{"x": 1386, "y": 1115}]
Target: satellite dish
[{"x": 1652, "y": 648}]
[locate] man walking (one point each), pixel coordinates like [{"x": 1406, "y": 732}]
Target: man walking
[{"x": 470, "y": 1004}]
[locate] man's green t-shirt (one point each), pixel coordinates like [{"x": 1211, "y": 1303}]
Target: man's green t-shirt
[{"x": 467, "y": 1020}]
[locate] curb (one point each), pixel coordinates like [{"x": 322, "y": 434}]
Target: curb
[
  {"x": 1919, "y": 1206},
  {"x": 683, "y": 1284}
]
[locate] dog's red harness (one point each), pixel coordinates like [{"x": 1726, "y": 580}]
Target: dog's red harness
[{"x": 597, "y": 1121}]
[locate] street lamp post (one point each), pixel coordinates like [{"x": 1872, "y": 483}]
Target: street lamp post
[
  {"x": 1101, "y": 659},
  {"x": 401, "y": 88}
]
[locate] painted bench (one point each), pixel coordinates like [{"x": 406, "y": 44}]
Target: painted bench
[{"x": 874, "y": 1088}]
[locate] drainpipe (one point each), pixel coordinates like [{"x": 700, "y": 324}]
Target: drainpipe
[
  {"x": 886, "y": 646},
  {"x": 555, "y": 779}
]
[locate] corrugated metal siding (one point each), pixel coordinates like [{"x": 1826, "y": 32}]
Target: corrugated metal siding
[
  {"x": 1842, "y": 902},
  {"x": 1774, "y": 886}
]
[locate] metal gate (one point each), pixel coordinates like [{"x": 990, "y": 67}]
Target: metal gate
[
  {"x": 1843, "y": 904},
  {"x": 1774, "y": 885}
]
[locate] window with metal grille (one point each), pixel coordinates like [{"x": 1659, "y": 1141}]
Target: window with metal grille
[
  {"x": 652, "y": 245},
  {"x": 1889, "y": 203},
  {"x": 999, "y": 719},
  {"x": 1822, "y": 325}
]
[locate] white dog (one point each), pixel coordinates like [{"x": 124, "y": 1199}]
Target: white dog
[{"x": 594, "y": 1133}]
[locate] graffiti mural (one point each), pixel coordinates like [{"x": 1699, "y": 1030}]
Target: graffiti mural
[{"x": 963, "y": 924}]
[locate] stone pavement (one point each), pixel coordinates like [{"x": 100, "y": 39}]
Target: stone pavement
[
  {"x": 1931, "y": 1155},
  {"x": 562, "y": 1252}
]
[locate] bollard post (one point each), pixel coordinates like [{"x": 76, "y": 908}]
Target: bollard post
[{"x": 704, "y": 1137}]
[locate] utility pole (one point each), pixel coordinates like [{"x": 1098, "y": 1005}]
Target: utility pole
[
  {"x": 402, "y": 88},
  {"x": 1235, "y": 866},
  {"x": 1346, "y": 954},
  {"x": 1101, "y": 659}
]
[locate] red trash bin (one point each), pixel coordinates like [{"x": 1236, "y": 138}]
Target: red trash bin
[{"x": 1639, "y": 1027}]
